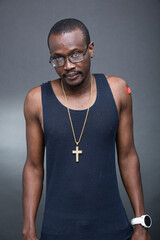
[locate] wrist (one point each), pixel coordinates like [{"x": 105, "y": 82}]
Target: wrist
[
  {"x": 29, "y": 235},
  {"x": 29, "y": 229},
  {"x": 140, "y": 227}
]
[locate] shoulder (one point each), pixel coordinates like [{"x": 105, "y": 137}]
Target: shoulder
[
  {"x": 32, "y": 103},
  {"x": 117, "y": 82},
  {"x": 120, "y": 90}
]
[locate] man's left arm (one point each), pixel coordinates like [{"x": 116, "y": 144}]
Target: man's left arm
[{"x": 128, "y": 161}]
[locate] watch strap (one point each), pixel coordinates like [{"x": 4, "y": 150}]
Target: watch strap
[{"x": 137, "y": 220}]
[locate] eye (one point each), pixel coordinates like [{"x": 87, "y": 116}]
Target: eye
[
  {"x": 59, "y": 58},
  {"x": 76, "y": 54}
]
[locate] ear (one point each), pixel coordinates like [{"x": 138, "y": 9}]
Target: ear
[{"x": 91, "y": 49}]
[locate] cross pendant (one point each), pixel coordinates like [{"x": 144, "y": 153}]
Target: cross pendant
[{"x": 77, "y": 152}]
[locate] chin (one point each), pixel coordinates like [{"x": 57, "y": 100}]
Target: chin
[{"x": 75, "y": 81}]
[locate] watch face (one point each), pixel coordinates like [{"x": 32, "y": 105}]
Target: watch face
[{"x": 147, "y": 221}]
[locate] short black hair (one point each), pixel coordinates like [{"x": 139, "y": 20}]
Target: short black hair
[{"x": 68, "y": 25}]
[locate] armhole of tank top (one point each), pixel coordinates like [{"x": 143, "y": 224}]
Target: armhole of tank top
[
  {"x": 43, "y": 110},
  {"x": 114, "y": 102}
]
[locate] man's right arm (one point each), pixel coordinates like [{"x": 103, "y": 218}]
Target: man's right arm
[{"x": 33, "y": 172}]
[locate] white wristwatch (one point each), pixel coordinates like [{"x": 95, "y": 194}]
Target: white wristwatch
[{"x": 144, "y": 220}]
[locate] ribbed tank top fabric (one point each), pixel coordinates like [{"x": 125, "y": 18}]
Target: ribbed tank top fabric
[{"x": 82, "y": 199}]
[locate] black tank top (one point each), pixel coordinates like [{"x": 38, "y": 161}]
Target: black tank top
[{"x": 82, "y": 199}]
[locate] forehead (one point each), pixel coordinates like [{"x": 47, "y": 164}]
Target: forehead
[{"x": 67, "y": 41}]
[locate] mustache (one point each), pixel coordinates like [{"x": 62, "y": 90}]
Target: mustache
[{"x": 70, "y": 73}]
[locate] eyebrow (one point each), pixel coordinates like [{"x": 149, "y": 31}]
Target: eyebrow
[{"x": 61, "y": 55}]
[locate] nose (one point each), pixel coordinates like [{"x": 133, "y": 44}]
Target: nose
[{"x": 68, "y": 65}]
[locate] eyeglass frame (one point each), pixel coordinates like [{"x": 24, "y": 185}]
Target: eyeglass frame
[{"x": 50, "y": 60}]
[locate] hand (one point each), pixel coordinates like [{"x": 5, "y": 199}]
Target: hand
[{"x": 140, "y": 233}]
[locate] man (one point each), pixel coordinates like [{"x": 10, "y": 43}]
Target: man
[{"x": 79, "y": 118}]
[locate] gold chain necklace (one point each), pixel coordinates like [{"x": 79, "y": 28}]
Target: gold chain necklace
[{"x": 77, "y": 151}]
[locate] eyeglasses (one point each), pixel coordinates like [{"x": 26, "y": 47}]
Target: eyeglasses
[{"x": 73, "y": 58}]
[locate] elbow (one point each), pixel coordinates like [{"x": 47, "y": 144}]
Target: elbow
[
  {"x": 129, "y": 162},
  {"x": 30, "y": 168}
]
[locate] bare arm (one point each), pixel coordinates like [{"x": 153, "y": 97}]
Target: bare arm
[
  {"x": 128, "y": 160},
  {"x": 33, "y": 172}
]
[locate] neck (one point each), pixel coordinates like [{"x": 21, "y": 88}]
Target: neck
[{"x": 79, "y": 89}]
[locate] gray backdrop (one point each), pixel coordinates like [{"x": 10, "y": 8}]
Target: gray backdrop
[{"x": 127, "y": 44}]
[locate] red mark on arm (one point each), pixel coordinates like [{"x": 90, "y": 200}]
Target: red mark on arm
[{"x": 128, "y": 90}]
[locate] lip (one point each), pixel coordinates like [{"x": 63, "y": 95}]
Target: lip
[{"x": 72, "y": 76}]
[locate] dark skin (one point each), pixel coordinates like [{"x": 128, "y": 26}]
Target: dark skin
[{"x": 76, "y": 80}]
